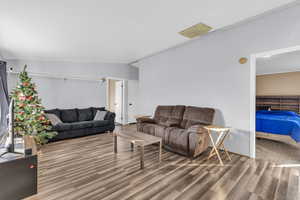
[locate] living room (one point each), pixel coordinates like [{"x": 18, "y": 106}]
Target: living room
[{"x": 186, "y": 97}]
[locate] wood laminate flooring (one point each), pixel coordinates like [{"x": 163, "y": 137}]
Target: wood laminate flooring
[{"x": 87, "y": 169}]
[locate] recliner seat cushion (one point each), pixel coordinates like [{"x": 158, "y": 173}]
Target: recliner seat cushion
[
  {"x": 85, "y": 114},
  {"x": 69, "y": 115},
  {"x": 197, "y": 116},
  {"x": 153, "y": 129}
]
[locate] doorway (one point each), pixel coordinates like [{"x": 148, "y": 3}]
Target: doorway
[
  {"x": 115, "y": 98},
  {"x": 267, "y": 98}
]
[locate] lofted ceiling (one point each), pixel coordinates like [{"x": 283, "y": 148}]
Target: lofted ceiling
[
  {"x": 115, "y": 31},
  {"x": 287, "y": 62}
]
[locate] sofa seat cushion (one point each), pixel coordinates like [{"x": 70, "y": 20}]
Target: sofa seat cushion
[
  {"x": 62, "y": 127},
  {"x": 85, "y": 114},
  {"x": 69, "y": 115},
  {"x": 81, "y": 125},
  {"x": 99, "y": 123},
  {"x": 177, "y": 138}
]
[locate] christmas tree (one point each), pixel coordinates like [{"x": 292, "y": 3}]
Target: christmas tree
[{"x": 29, "y": 113}]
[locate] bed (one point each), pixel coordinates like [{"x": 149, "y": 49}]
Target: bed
[{"x": 279, "y": 122}]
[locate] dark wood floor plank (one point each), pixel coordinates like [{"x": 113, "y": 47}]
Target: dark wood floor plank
[{"x": 87, "y": 169}]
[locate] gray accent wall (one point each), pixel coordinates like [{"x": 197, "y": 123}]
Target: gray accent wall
[
  {"x": 206, "y": 71},
  {"x": 69, "y": 93}
]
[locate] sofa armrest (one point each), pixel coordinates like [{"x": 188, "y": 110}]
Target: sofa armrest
[
  {"x": 145, "y": 120},
  {"x": 199, "y": 129},
  {"x": 110, "y": 116}
]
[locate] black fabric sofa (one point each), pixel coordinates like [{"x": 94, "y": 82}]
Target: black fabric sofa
[{"x": 79, "y": 122}]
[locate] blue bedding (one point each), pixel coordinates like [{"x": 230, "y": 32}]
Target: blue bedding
[{"x": 279, "y": 122}]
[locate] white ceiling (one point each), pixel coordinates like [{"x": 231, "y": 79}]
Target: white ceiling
[
  {"x": 111, "y": 30},
  {"x": 288, "y": 62}
]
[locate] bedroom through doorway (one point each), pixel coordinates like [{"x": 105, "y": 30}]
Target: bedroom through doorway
[{"x": 277, "y": 116}]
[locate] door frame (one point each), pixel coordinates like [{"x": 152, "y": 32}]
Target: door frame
[
  {"x": 123, "y": 119},
  {"x": 253, "y": 66}
]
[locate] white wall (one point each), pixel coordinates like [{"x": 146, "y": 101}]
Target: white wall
[
  {"x": 60, "y": 93},
  {"x": 206, "y": 71}
]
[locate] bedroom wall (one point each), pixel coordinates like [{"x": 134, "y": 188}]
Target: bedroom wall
[
  {"x": 206, "y": 72},
  {"x": 278, "y": 84},
  {"x": 60, "y": 93}
]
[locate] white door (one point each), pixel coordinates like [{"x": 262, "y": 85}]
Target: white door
[
  {"x": 119, "y": 102},
  {"x": 133, "y": 89}
]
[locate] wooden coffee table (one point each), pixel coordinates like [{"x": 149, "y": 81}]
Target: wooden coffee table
[{"x": 139, "y": 139}]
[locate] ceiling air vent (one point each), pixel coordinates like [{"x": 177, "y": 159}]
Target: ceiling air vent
[{"x": 196, "y": 30}]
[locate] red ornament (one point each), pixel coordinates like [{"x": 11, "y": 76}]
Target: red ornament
[
  {"x": 41, "y": 118},
  {"x": 25, "y": 84},
  {"x": 22, "y": 98},
  {"x": 30, "y": 98}
]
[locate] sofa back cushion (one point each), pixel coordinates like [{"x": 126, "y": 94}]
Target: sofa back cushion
[
  {"x": 85, "y": 114},
  {"x": 69, "y": 115},
  {"x": 197, "y": 116},
  {"x": 165, "y": 114}
]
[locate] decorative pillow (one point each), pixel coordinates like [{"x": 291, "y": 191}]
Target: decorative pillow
[
  {"x": 100, "y": 115},
  {"x": 53, "y": 119},
  {"x": 94, "y": 110},
  {"x": 54, "y": 111}
]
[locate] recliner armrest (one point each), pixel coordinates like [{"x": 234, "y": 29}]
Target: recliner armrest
[
  {"x": 199, "y": 129},
  {"x": 145, "y": 120}
]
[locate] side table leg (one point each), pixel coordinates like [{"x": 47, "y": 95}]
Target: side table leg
[
  {"x": 142, "y": 156},
  {"x": 115, "y": 143},
  {"x": 216, "y": 150}
]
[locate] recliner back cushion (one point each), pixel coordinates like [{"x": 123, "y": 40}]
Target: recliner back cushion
[
  {"x": 85, "y": 114},
  {"x": 197, "y": 116},
  {"x": 165, "y": 114},
  {"x": 69, "y": 115}
]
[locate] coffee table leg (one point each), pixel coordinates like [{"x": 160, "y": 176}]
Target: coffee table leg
[
  {"x": 160, "y": 149},
  {"x": 132, "y": 146},
  {"x": 142, "y": 156},
  {"x": 115, "y": 144}
]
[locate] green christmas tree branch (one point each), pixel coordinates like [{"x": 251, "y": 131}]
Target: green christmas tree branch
[{"x": 29, "y": 112}]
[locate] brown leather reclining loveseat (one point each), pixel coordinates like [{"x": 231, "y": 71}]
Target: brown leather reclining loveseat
[{"x": 180, "y": 127}]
